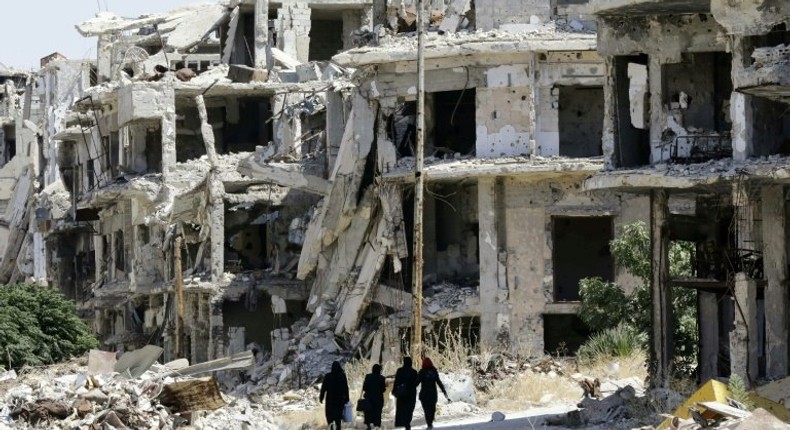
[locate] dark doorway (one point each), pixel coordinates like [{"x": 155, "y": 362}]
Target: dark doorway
[{"x": 581, "y": 250}]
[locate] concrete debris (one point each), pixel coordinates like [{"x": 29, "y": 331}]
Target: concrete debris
[
  {"x": 448, "y": 301},
  {"x": 66, "y": 396},
  {"x": 182, "y": 28}
]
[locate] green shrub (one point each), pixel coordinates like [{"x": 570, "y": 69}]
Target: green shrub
[
  {"x": 605, "y": 304},
  {"x": 39, "y": 326},
  {"x": 620, "y": 341}
]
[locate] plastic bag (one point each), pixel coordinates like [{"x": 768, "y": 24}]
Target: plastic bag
[{"x": 348, "y": 413}]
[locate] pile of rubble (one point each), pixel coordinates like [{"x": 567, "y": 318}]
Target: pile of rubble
[
  {"x": 447, "y": 300},
  {"x": 132, "y": 392},
  {"x": 301, "y": 356},
  {"x": 500, "y": 367}
]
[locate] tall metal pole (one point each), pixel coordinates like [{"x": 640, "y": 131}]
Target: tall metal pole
[{"x": 416, "y": 341}]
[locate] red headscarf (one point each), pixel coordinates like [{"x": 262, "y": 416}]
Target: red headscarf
[{"x": 427, "y": 363}]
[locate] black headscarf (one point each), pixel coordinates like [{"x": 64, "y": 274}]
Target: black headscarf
[
  {"x": 337, "y": 368},
  {"x": 407, "y": 362},
  {"x": 377, "y": 369}
]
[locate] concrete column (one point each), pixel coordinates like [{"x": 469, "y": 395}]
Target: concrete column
[
  {"x": 217, "y": 220},
  {"x": 104, "y": 61},
  {"x": 708, "y": 336},
  {"x": 216, "y": 339},
  {"x": 261, "y": 32},
  {"x": 168, "y": 125},
  {"x": 741, "y": 111},
  {"x": 658, "y": 116},
  {"x": 489, "y": 253},
  {"x": 661, "y": 295},
  {"x": 610, "y": 114},
  {"x": 743, "y": 338},
  {"x": 775, "y": 269},
  {"x": 335, "y": 126}
]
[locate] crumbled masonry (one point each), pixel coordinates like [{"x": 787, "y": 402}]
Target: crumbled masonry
[{"x": 239, "y": 176}]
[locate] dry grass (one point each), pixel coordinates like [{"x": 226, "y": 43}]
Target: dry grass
[
  {"x": 634, "y": 365},
  {"x": 530, "y": 389},
  {"x": 452, "y": 353}
]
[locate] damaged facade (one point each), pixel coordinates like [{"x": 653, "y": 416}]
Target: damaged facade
[
  {"x": 213, "y": 183},
  {"x": 696, "y": 110},
  {"x": 241, "y": 176}
]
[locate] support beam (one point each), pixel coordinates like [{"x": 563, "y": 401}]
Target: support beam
[
  {"x": 743, "y": 338},
  {"x": 261, "y": 32},
  {"x": 775, "y": 269},
  {"x": 216, "y": 195},
  {"x": 179, "y": 272},
  {"x": 489, "y": 253},
  {"x": 708, "y": 318},
  {"x": 661, "y": 295}
]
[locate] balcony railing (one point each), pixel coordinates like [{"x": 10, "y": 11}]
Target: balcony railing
[{"x": 698, "y": 148}]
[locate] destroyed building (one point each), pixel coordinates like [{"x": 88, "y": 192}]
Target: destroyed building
[
  {"x": 241, "y": 176},
  {"x": 696, "y": 109}
]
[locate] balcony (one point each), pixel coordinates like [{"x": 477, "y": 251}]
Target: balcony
[{"x": 697, "y": 148}]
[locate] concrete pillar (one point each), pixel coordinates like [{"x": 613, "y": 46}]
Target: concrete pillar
[
  {"x": 661, "y": 294},
  {"x": 743, "y": 338},
  {"x": 216, "y": 338},
  {"x": 104, "y": 61},
  {"x": 610, "y": 114},
  {"x": 168, "y": 125},
  {"x": 335, "y": 126},
  {"x": 261, "y": 32},
  {"x": 217, "y": 219},
  {"x": 775, "y": 269},
  {"x": 741, "y": 111},
  {"x": 658, "y": 116},
  {"x": 489, "y": 254},
  {"x": 708, "y": 318}
]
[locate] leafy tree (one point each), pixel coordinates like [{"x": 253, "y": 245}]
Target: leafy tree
[
  {"x": 605, "y": 305},
  {"x": 39, "y": 326}
]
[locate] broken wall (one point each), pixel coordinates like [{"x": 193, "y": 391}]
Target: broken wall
[
  {"x": 527, "y": 252},
  {"x": 493, "y": 14}
]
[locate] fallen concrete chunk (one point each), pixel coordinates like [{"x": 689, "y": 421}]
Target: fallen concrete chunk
[
  {"x": 454, "y": 15},
  {"x": 242, "y": 360},
  {"x": 8, "y": 375},
  {"x": 285, "y": 174},
  {"x": 284, "y": 59},
  {"x": 777, "y": 391},
  {"x": 135, "y": 363},
  {"x": 760, "y": 419},
  {"x": 245, "y": 74},
  {"x": 192, "y": 395},
  {"x": 101, "y": 362}
]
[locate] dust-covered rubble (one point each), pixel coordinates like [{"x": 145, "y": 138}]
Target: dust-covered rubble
[{"x": 69, "y": 395}]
